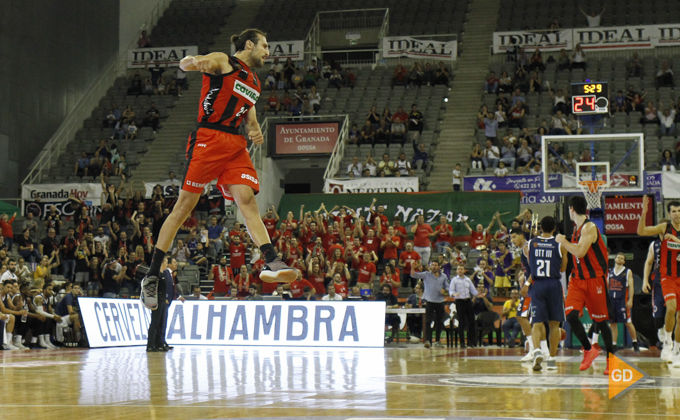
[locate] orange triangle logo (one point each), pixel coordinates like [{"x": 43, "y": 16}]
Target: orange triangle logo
[{"x": 622, "y": 376}]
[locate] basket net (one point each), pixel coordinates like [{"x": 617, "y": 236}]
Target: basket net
[{"x": 593, "y": 191}]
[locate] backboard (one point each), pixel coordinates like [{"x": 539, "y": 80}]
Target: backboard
[{"x": 565, "y": 161}]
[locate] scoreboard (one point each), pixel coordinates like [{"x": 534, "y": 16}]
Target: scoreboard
[{"x": 590, "y": 98}]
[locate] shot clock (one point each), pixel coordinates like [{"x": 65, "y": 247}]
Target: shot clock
[{"x": 590, "y": 98}]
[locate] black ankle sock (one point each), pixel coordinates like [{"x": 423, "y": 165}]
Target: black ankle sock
[
  {"x": 156, "y": 262},
  {"x": 578, "y": 330},
  {"x": 269, "y": 252}
]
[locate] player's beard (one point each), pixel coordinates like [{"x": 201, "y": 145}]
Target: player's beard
[{"x": 256, "y": 60}]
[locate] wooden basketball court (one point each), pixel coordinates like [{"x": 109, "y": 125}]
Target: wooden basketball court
[{"x": 193, "y": 382}]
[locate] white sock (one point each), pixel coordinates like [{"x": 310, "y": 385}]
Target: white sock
[
  {"x": 669, "y": 338},
  {"x": 9, "y": 337},
  {"x": 662, "y": 334},
  {"x": 531, "y": 343},
  {"x": 544, "y": 346},
  {"x": 595, "y": 339},
  {"x": 676, "y": 347},
  {"x": 17, "y": 339},
  {"x": 34, "y": 340}
]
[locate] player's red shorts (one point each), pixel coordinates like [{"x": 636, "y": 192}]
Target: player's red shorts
[
  {"x": 215, "y": 154},
  {"x": 592, "y": 294},
  {"x": 670, "y": 287}
]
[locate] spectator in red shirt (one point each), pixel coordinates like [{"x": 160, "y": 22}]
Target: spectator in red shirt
[
  {"x": 291, "y": 223},
  {"x": 421, "y": 239},
  {"x": 406, "y": 259},
  {"x": 188, "y": 225},
  {"x": 298, "y": 286},
  {"x": 366, "y": 272},
  {"x": 400, "y": 231},
  {"x": 237, "y": 231},
  {"x": 390, "y": 244},
  {"x": 480, "y": 236},
  {"x": 390, "y": 278},
  {"x": 372, "y": 243},
  {"x": 243, "y": 281},
  {"x": 237, "y": 252},
  {"x": 270, "y": 219},
  {"x": 315, "y": 276},
  {"x": 222, "y": 276},
  {"x": 7, "y": 232},
  {"x": 443, "y": 235},
  {"x": 340, "y": 285},
  {"x": 354, "y": 253},
  {"x": 293, "y": 251},
  {"x": 316, "y": 250},
  {"x": 399, "y": 76}
]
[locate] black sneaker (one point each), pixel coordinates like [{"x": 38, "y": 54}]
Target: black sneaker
[
  {"x": 149, "y": 294},
  {"x": 278, "y": 272},
  {"x": 636, "y": 347}
]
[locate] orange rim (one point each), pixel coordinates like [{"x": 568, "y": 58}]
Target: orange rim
[{"x": 593, "y": 186}]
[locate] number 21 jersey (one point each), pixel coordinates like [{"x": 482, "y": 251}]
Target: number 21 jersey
[{"x": 545, "y": 258}]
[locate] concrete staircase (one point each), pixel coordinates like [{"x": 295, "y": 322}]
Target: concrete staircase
[
  {"x": 241, "y": 19},
  {"x": 458, "y": 126},
  {"x": 171, "y": 140}
]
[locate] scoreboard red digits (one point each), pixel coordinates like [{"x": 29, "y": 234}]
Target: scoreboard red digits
[{"x": 590, "y": 98}]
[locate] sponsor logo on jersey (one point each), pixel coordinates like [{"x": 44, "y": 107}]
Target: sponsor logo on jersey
[
  {"x": 247, "y": 92},
  {"x": 202, "y": 145},
  {"x": 673, "y": 245},
  {"x": 195, "y": 184},
  {"x": 250, "y": 178}
]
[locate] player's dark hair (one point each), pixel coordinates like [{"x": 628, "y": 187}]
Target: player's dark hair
[
  {"x": 674, "y": 203},
  {"x": 516, "y": 231},
  {"x": 580, "y": 205},
  {"x": 548, "y": 224},
  {"x": 10, "y": 260},
  {"x": 252, "y": 35}
]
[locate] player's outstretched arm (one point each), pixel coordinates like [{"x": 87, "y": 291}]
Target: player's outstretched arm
[
  {"x": 649, "y": 264},
  {"x": 643, "y": 229},
  {"x": 213, "y": 63}
]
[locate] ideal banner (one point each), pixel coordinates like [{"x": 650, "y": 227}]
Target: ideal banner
[
  {"x": 404, "y": 46},
  {"x": 670, "y": 185},
  {"x": 605, "y": 38},
  {"x": 124, "y": 322},
  {"x": 371, "y": 185},
  {"x": 171, "y": 56},
  {"x": 306, "y": 138},
  {"x": 283, "y": 50},
  {"x": 529, "y": 185},
  {"x": 623, "y": 213},
  {"x": 408, "y": 206},
  {"x": 543, "y": 40}
]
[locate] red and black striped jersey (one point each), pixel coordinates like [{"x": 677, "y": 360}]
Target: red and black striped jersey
[
  {"x": 594, "y": 263},
  {"x": 226, "y": 98},
  {"x": 669, "y": 265}
]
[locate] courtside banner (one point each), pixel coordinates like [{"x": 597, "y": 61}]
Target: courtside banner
[
  {"x": 306, "y": 138},
  {"x": 171, "y": 56},
  {"x": 114, "y": 322},
  {"x": 371, "y": 185},
  {"x": 124, "y": 322},
  {"x": 88, "y": 192},
  {"x": 543, "y": 40},
  {"x": 283, "y": 50},
  {"x": 404, "y": 46}
]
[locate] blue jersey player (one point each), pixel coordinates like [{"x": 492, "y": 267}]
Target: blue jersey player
[
  {"x": 621, "y": 293},
  {"x": 652, "y": 271},
  {"x": 547, "y": 262}
]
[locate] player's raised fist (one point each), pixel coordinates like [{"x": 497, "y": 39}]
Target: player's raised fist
[
  {"x": 256, "y": 136},
  {"x": 205, "y": 64}
]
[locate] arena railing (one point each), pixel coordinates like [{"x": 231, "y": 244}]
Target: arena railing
[{"x": 116, "y": 66}]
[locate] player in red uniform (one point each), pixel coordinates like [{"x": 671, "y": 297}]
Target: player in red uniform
[
  {"x": 588, "y": 285},
  {"x": 216, "y": 150},
  {"x": 670, "y": 274}
]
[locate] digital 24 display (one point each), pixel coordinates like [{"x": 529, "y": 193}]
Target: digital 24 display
[{"x": 590, "y": 98}]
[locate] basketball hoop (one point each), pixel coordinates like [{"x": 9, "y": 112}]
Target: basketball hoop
[{"x": 593, "y": 191}]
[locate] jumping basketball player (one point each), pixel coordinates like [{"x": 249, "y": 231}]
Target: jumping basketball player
[
  {"x": 652, "y": 270},
  {"x": 216, "y": 150},
  {"x": 588, "y": 286},
  {"x": 547, "y": 263},
  {"x": 670, "y": 274},
  {"x": 621, "y": 296}
]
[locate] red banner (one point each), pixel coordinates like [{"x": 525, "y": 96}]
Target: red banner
[
  {"x": 307, "y": 138},
  {"x": 623, "y": 213}
]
